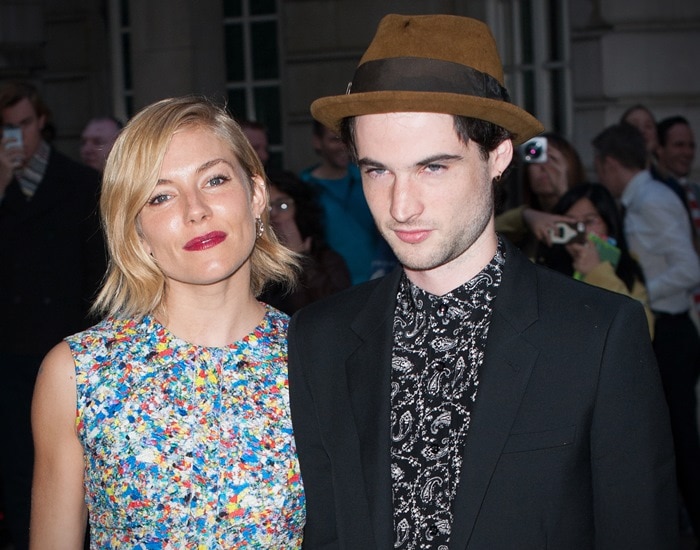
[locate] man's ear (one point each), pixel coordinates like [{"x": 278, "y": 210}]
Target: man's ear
[{"x": 501, "y": 157}]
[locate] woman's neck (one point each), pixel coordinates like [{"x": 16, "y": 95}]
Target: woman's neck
[{"x": 211, "y": 320}]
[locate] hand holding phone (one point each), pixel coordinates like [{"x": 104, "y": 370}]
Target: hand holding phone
[
  {"x": 12, "y": 141},
  {"x": 12, "y": 137}
]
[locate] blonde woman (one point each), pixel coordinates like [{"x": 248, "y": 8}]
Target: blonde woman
[{"x": 167, "y": 424}]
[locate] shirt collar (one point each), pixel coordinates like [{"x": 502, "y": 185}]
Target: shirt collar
[
  {"x": 634, "y": 187},
  {"x": 489, "y": 276}
]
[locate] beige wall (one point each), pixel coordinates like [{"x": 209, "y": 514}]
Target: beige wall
[
  {"x": 61, "y": 47},
  {"x": 624, "y": 53},
  {"x": 177, "y": 49}
]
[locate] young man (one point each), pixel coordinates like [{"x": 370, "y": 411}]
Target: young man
[
  {"x": 52, "y": 259},
  {"x": 470, "y": 399},
  {"x": 348, "y": 222},
  {"x": 658, "y": 233},
  {"x": 676, "y": 149}
]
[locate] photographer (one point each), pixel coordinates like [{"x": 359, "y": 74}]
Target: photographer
[
  {"x": 549, "y": 171},
  {"x": 596, "y": 252},
  {"x": 51, "y": 262}
]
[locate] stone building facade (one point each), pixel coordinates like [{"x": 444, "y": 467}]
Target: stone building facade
[{"x": 577, "y": 64}]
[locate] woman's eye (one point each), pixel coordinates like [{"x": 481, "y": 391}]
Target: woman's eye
[
  {"x": 158, "y": 199},
  {"x": 218, "y": 180}
]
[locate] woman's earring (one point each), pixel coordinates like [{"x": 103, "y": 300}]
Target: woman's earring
[{"x": 259, "y": 227}]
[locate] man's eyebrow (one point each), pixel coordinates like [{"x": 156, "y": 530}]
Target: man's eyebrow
[
  {"x": 364, "y": 162},
  {"x": 440, "y": 157}
]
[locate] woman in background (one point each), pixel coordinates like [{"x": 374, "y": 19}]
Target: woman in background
[
  {"x": 543, "y": 185},
  {"x": 601, "y": 256},
  {"x": 643, "y": 120},
  {"x": 180, "y": 436},
  {"x": 297, "y": 218}
]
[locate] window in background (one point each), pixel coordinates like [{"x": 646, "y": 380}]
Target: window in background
[
  {"x": 251, "y": 38},
  {"x": 120, "y": 36},
  {"x": 533, "y": 38}
]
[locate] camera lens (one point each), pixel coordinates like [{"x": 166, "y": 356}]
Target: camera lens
[{"x": 532, "y": 151}]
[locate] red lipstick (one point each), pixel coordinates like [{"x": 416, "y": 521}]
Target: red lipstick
[{"x": 204, "y": 242}]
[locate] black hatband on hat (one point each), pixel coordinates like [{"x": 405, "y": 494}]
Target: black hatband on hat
[{"x": 420, "y": 74}]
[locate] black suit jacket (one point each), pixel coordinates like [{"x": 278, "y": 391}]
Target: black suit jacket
[
  {"x": 569, "y": 446},
  {"x": 52, "y": 257}
]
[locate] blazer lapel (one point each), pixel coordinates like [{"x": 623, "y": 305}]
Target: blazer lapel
[
  {"x": 369, "y": 374},
  {"x": 503, "y": 378}
]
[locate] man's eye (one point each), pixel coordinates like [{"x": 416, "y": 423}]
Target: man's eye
[
  {"x": 375, "y": 172},
  {"x": 434, "y": 167}
]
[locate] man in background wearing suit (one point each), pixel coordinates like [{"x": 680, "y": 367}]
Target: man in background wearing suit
[
  {"x": 52, "y": 258},
  {"x": 470, "y": 399}
]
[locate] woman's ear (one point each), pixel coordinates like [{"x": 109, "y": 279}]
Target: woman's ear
[
  {"x": 259, "y": 199},
  {"x": 142, "y": 239}
]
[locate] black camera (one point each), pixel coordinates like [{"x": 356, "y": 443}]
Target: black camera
[{"x": 535, "y": 150}]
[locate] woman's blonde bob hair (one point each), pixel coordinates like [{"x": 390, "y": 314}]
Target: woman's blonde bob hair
[{"x": 134, "y": 285}]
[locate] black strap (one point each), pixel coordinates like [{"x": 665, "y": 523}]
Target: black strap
[{"x": 420, "y": 74}]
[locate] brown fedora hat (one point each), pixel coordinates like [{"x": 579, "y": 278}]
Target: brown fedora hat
[{"x": 430, "y": 63}]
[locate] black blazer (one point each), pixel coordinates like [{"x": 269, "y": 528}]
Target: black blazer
[
  {"x": 52, "y": 257},
  {"x": 569, "y": 447}
]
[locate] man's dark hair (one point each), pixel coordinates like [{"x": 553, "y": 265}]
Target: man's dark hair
[
  {"x": 624, "y": 143},
  {"x": 663, "y": 127},
  {"x": 14, "y": 91},
  {"x": 486, "y": 135}
]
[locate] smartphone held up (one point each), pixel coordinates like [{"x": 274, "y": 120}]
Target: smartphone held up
[{"x": 12, "y": 142}]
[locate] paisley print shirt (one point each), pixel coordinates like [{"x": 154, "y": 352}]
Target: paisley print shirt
[
  {"x": 439, "y": 345},
  {"x": 187, "y": 447}
]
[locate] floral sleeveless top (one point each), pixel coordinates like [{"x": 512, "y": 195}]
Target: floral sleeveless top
[{"x": 187, "y": 447}]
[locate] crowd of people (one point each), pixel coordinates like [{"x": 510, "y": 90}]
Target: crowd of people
[{"x": 204, "y": 352}]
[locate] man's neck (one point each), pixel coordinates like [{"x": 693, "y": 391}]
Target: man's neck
[
  {"x": 628, "y": 178},
  {"x": 665, "y": 173},
  {"x": 445, "y": 278}
]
